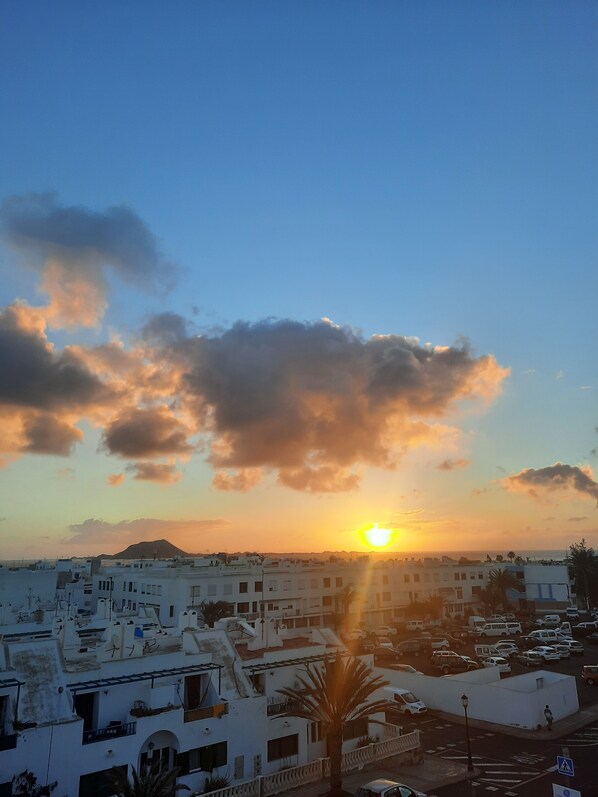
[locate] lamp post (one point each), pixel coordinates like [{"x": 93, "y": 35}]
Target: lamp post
[{"x": 465, "y": 703}]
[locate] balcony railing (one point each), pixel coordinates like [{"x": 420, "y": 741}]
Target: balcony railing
[
  {"x": 205, "y": 712},
  {"x": 8, "y": 741},
  {"x": 112, "y": 731},
  {"x": 277, "y": 707}
]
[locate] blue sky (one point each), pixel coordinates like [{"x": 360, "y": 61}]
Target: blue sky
[{"x": 417, "y": 169}]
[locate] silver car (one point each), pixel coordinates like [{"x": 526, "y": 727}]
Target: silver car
[{"x": 387, "y": 788}]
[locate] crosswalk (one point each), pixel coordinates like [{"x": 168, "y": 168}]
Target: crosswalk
[
  {"x": 493, "y": 775},
  {"x": 584, "y": 737}
]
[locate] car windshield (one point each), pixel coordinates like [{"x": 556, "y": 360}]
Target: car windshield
[{"x": 409, "y": 697}]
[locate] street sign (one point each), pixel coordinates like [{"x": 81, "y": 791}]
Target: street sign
[
  {"x": 564, "y": 791},
  {"x": 565, "y": 765}
]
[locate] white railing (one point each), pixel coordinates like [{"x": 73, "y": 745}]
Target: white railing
[{"x": 286, "y": 779}]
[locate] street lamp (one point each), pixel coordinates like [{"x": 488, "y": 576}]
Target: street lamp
[{"x": 465, "y": 703}]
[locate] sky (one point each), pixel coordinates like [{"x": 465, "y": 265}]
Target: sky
[{"x": 274, "y": 272}]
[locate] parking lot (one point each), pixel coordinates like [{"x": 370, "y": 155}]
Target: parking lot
[{"x": 571, "y": 666}]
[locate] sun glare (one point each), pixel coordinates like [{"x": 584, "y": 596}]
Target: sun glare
[{"x": 377, "y": 537}]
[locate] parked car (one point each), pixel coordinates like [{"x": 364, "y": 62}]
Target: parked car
[
  {"x": 589, "y": 674},
  {"x": 405, "y": 668},
  {"x": 448, "y": 661},
  {"x": 387, "y": 788},
  {"x": 413, "y": 647},
  {"x": 509, "y": 617},
  {"x": 385, "y": 652},
  {"x": 548, "y": 653},
  {"x": 572, "y": 613},
  {"x": 455, "y": 641},
  {"x": 439, "y": 643},
  {"x": 584, "y": 629},
  {"x": 506, "y": 648},
  {"x": 497, "y": 661},
  {"x": 562, "y": 649},
  {"x": 575, "y": 647},
  {"x": 355, "y": 634},
  {"x": 529, "y": 658},
  {"x": 404, "y": 701},
  {"x": 384, "y": 642},
  {"x": 385, "y": 631}
]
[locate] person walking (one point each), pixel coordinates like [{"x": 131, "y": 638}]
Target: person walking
[{"x": 549, "y": 717}]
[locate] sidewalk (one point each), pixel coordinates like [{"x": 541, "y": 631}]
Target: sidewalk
[{"x": 435, "y": 772}]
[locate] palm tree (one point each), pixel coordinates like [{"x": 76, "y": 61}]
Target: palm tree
[
  {"x": 511, "y": 556},
  {"x": 335, "y": 693},
  {"x": 214, "y": 610},
  {"x": 500, "y": 582},
  {"x": 148, "y": 782},
  {"x": 488, "y": 599},
  {"x": 583, "y": 564},
  {"x": 344, "y": 597}
]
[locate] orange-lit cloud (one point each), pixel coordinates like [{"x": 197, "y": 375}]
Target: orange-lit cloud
[
  {"x": 151, "y": 432},
  {"x": 115, "y": 479},
  {"x": 74, "y": 248},
  {"x": 242, "y": 481},
  {"x": 160, "y": 472},
  {"x": 453, "y": 464},
  {"x": 569, "y": 480}
]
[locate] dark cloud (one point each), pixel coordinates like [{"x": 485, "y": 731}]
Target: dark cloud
[
  {"x": 452, "y": 464},
  {"x": 46, "y": 434},
  {"x": 32, "y": 374},
  {"x": 165, "y": 329},
  {"x": 557, "y": 477},
  {"x": 146, "y": 433},
  {"x": 310, "y": 399},
  {"x": 155, "y": 472},
  {"x": 73, "y": 247},
  {"x": 577, "y": 519}
]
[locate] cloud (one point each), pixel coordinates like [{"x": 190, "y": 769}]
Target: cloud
[
  {"x": 115, "y": 479},
  {"x": 162, "y": 473},
  {"x": 479, "y": 490},
  {"x": 577, "y": 519},
  {"x": 452, "y": 464},
  {"x": 150, "y": 432},
  {"x": 554, "y": 478},
  {"x": 559, "y": 375},
  {"x": 46, "y": 434},
  {"x": 74, "y": 248},
  {"x": 314, "y": 401},
  {"x": 33, "y": 374},
  {"x": 242, "y": 481},
  {"x": 100, "y": 532}
]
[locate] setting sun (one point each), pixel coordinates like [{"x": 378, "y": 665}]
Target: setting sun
[{"x": 378, "y": 537}]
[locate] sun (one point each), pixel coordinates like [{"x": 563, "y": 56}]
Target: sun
[{"x": 377, "y": 537}]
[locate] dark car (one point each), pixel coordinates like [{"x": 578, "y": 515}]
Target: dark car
[
  {"x": 527, "y": 642},
  {"x": 455, "y": 641},
  {"x": 584, "y": 629},
  {"x": 447, "y": 662},
  {"x": 413, "y": 647},
  {"x": 592, "y": 638}
]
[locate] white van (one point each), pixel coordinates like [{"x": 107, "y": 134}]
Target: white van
[
  {"x": 414, "y": 625},
  {"x": 476, "y": 621},
  {"x": 485, "y": 651},
  {"x": 405, "y": 701},
  {"x": 494, "y": 629},
  {"x": 546, "y": 636}
]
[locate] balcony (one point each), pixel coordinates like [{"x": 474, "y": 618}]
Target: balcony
[
  {"x": 112, "y": 731},
  {"x": 8, "y": 741},
  {"x": 277, "y": 707},
  {"x": 205, "y": 712}
]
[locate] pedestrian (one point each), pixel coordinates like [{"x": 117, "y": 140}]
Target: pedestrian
[{"x": 549, "y": 717}]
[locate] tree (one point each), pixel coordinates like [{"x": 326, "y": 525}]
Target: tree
[
  {"x": 211, "y": 611},
  {"x": 334, "y": 693},
  {"x": 148, "y": 782},
  {"x": 500, "y": 582},
  {"x": 488, "y": 599},
  {"x": 511, "y": 556},
  {"x": 344, "y": 598},
  {"x": 25, "y": 785},
  {"x": 583, "y": 565}
]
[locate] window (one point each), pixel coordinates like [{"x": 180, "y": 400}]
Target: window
[
  {"x": 315, "y": 732},
  {"x": 243, "y": 586},
  {"x": 386, "y": 596},
  {"x": 273, "y": 586},
  {"x": 195, "y": 592},
  {"x": 212, "y": 590},
  {"x": 456, "y": 576},
  {"x": 472, "y": 576},
  {"x": 416, "y": 577},
  {"x": 243, "y": 608},
  {"x": 259, "y": 586},
  {"x": 205, "y": 758},
  {"x": 339, "y": 582},
  {"x": 327, "y": 600},
  {"x": 385, "y": 579},
  {"x": 283, "y": 747},
  {"x": 463, "y": 576},
  {"x": 98, "y": 784},
  {"x": 406, "y": 578},
  {"x": 171, "y": 611},
  {"x": 459, "y": 593},
  {"x": 326, "y": 583}
]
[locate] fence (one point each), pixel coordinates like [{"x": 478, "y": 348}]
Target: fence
[{"x": 286, "y": 779}]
